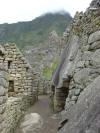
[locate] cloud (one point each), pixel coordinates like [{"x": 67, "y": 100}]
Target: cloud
[{"x": 25, "y": 10}]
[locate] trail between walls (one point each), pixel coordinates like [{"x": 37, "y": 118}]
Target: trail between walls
[{"x": 39, "y": 118}]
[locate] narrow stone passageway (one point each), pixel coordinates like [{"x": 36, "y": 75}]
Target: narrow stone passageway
[{"x": 44, "y": 120}]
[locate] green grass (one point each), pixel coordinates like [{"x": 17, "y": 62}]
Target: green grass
[{"x": 47, "y": 71}]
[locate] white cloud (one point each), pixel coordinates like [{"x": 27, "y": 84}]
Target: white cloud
[{"x": 25, "y": 10}]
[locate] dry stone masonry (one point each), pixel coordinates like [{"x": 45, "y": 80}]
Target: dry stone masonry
[
  {"x": 3, "y": 94},
  {"x": 76, "y": 79},
  {"x": 79, "y": 64},
  {"x": 20, "y": 76},
  {"x": 18, "y": 88}
]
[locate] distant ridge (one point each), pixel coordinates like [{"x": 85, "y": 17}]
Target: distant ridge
[{"x": 35, "y": 31}]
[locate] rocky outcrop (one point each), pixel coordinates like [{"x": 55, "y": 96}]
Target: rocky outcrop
[
  {"x": 32, "y": 123},
  {"x": 79, "y": 64},
  {"x": 76, "y": 79},
  {"x": 44, "y": 54},
  {"x": 84, "y": 116},
  {"x": 44, "y": 57}
]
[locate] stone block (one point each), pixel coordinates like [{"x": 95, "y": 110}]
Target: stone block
[
  {"x": 1, "y": 121},
  {"x": 95, "y": 59},
  {"x": 94, "y": 37},
  {"x": 95, "y": 45},
  {"x": 82, "y": 76},
  {"x": 74, "y": 98},
  {"x": 2, "y": 91},
  {"x": 1, "y": 100},
  {"x": 77, "y": 92},
  {"x": 2, "y": 108},
  {"x": 87, "y": 56},
  {"x": 2, "y": 81}
]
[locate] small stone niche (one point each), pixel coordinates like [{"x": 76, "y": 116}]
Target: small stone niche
[
  {"x": 1, "y": 54},
  {"x": 9, "y": 64},
  {"x": 11, "y": 86},
  {"x": 27, "y": 68}
]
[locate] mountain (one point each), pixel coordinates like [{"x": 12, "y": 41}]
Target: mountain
[
  {"x": 44, "y": 58},
  {"x": 35, "y": 31}
]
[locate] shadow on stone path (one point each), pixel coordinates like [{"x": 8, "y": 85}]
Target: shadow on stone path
[{"x": 47, "y": 121}]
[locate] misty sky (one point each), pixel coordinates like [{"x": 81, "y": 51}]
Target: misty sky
[{"x": 12, "y": 11}]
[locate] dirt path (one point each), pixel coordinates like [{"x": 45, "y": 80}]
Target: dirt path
[{"x": 50, "y": 120}]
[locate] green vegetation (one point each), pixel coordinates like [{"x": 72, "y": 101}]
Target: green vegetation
[
  {"x": 35, "y": 31},
  {"x": 47, "y": 71}
]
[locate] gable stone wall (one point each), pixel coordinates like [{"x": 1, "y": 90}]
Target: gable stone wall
[{"x": 13, "y": 104}]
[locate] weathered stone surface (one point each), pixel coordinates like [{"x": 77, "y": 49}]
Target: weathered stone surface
[
  {"x": 1, "y": 100},
  {"x": 81, "y": 77},
  {"x": 2, "y": 81},
  {"x": 94, "y": 37},
  {"x": 95, "y": 45},
  {"x": 77, "y": 92},
  {"x": 65, "y": 67},
  {"x": 95, "y": 59},
  {"x": 87, "y": 56},
  {"x": 20, "y": 71},
  {"x": 23, "y": 79},
  {"x": 32, "y": 123},
  {"x": 80, "y": 69},
  {"x": 85, "y": 115},
  {"x": 2, "y": 107},
  {"x": 2, "y": 91},
  {"x": 15, "y": 109}
]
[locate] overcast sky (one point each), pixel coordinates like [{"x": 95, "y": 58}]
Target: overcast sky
[{"x": 12, "y": 11}]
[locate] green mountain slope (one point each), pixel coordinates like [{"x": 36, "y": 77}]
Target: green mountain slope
[{"x": 35, "y": 31}]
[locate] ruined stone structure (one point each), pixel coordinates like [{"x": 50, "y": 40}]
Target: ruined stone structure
[
  {"x": 21, "y": 79},
  {"x": 3, "y": 86},
  {"x": 3, "y": 93},
  {"x": 77, "y": 77},
  {"x": 80, "y": 58},
  {"x": 45, "y": 55},
  {"x": 18, "y": 88},
  {"x": 44, "y": 86}
]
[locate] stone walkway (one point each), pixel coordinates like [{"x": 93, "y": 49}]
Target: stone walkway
[{"x": 39, "y": 118}]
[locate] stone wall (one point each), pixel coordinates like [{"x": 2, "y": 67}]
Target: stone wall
[
  {"x": 80, "y": 61},
  {"x": 41, "y": 84},
  {"x": 14, "y": 103},
  {"x": 15, "y": 110},
  {"x": 78, "y": 74},
  {"x": 86, "y": 63},
  {"x": 2, "y": 55},
  {"x": 19, "y": 70},
  {"x": 3, "y": 94},
  {"x": 44, "y": 86}
]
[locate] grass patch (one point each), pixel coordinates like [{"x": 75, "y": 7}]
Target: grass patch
[{"x": 47, "y": 71}]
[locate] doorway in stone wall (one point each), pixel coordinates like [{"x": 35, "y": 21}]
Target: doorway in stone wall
[
  {"x": 60, "y": 95},
  {"x": 11, "y": 86}
]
